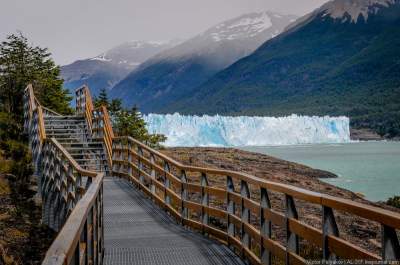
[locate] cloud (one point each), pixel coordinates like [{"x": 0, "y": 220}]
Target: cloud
[{"x": 77, "y": 29}]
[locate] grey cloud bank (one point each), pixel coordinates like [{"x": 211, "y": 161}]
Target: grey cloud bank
[{"x": 78, "y": 29}]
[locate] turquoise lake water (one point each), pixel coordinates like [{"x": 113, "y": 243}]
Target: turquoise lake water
[{"x": 371, "y": 168}]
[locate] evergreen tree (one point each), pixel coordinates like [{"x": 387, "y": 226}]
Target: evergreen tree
[
  {"x": 102, "y": 99},
  {"x": 128, "y": 122},
  {"x": 21, "y": 64},
  {"x": 115, "y": 106},
  {"x": 131, "y": 123}
]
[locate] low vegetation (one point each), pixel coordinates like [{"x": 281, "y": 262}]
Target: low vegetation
[
  {"x": 394, "y": 201},
  {"x": 128, "y": 122}
]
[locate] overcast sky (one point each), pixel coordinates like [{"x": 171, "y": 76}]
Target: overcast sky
[{"x": 76, "y": 29}]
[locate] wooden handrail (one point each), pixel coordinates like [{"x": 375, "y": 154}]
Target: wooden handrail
[
  {"x": 367, "y": 211},
  {"x": 84, "y": 104},
  {"x": 64, "y": 247},
  {"x": 72, "y": 161},
  {"x": 108, "y": 133},
  {"x": 143, "y": 173},
  {"x": 63, "y": 182},
  {"x": 98, "y": 119}
]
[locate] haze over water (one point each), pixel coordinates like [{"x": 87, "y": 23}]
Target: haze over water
[{"x": 371, "y": 168}]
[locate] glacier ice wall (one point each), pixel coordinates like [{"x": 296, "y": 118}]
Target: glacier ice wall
[{"x": 218, "y": 130}]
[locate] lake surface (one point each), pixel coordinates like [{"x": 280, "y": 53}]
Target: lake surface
[{"x": 371, "y": 168}]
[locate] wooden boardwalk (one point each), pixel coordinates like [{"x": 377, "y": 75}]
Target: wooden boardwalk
[
  {"x": 110, "y": 220},
  {"x": 138, "y": 232}
]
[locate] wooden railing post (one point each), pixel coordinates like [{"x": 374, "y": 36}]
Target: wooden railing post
[
  {"x": 245, "y": 193},
  {"x": 230, "y": 188},
  {"x": 184, "y": 196},
  {"x": 292, "y": 240},
  {"x": 152, "y": 174},
  {"x": 204, "y": 200},
  {"x": 390, "y": 244},
  {"x": 89, "y": 236},
  {"x": 265, "y": 227},
  {"x": 329, "y": 227},
  {"x": 167, "y": 184},
  {"x": 140, "y": 164},
  {"x": 130, "y": 159}
]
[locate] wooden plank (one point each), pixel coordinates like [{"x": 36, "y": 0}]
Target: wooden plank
[
  {"x": 345, "y": 249},
  {"x": 275, "y": 217},
  {"x": 193, "y": 206},
  {"x": 215, "y": 232},
  {"x": 252, "y": 205},
  {"x": 305, "y": 231},
  {"x": 217, "y": 192},
  {"x": 216, "y": 212},
  {"x": 252, "y": 231}
]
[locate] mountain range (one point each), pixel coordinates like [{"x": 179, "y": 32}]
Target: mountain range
[
  {"x": 342, "y": 59},
  {"x": 176, "y": 72},
  {"x": 108, "y": 68}
]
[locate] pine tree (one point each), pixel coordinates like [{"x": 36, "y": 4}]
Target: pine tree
[
  {"x": 102, "y": 99},
  {"x": 21, "y": 64},
  {"x": 131, "y": 123},
  {"x": 115, "y": 105}
]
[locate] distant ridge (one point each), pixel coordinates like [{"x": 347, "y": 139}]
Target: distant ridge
[
  {"x": 106, "y": 69},
  {"x": 175, "y": 72},
  {"x": 341, "y": 59}
]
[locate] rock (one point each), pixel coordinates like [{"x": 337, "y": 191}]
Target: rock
[{"x": 362, "y": 231}]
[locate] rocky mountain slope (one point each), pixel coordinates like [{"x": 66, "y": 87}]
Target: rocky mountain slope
[
  {"x": 106, "y": 69},
  {"x": 174, "y": 73},
  {"x": 342, "y": 59}
]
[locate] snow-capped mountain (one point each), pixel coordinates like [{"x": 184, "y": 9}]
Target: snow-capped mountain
[
  {"x": 353, "y": 9},
  {"x": 106, "y": 69},
  {"x": 344, "y": 11},
  {"x": 131, "y": 54},
  {"x": 342, "y": 59},
  {"x": 175, "y": 72}
]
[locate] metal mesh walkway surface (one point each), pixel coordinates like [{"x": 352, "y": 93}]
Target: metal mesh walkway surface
[{"x": 138, "y": 232}]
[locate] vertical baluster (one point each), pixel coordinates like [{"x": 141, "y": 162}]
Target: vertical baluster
[
  {"x": 292, "y": 240},
  {"x": 204, "y": 200},
  {"x": 329, "y": 227},
  {"x": 245, "y": 216},
  {"x": 140, "y": 164},
  {"x": 167, "y": 184},
  {"x": 152, "y": 174},
  {"x": 77, "y": 254},
  {"x": 390, "y": 244},
  {"x": 94, "y": 231},
  {"x": 184, "y": 196},
  {"x": 89, "y": 236},
  {"x": 84, "y": 239},
  {"x": 230, "y": 188},
  {"x": 130, "y": 160},
  {"x": 265, "y": 227}
]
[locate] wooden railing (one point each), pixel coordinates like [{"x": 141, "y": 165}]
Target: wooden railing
[
  {"x": 72, "y": 201},
  {"x": 34, "y": 123},
  {"x": 98, "y": 119},
  {"x": 84, "y": 104},
  {"x": 102, "y": 129},
  {"x": 240, "y": 214}
]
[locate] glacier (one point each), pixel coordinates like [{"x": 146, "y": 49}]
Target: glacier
[{"x": 226, "y": 131}]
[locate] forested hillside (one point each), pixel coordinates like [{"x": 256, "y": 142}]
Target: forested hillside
[{"x": 324, "y": 65}]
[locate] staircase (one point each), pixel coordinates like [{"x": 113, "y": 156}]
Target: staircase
[{"x": 73, "y": 134}]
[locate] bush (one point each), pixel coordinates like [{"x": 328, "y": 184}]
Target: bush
[
  {"x": 19, "y": 158},
  {"x": 394, "y": 201}
]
